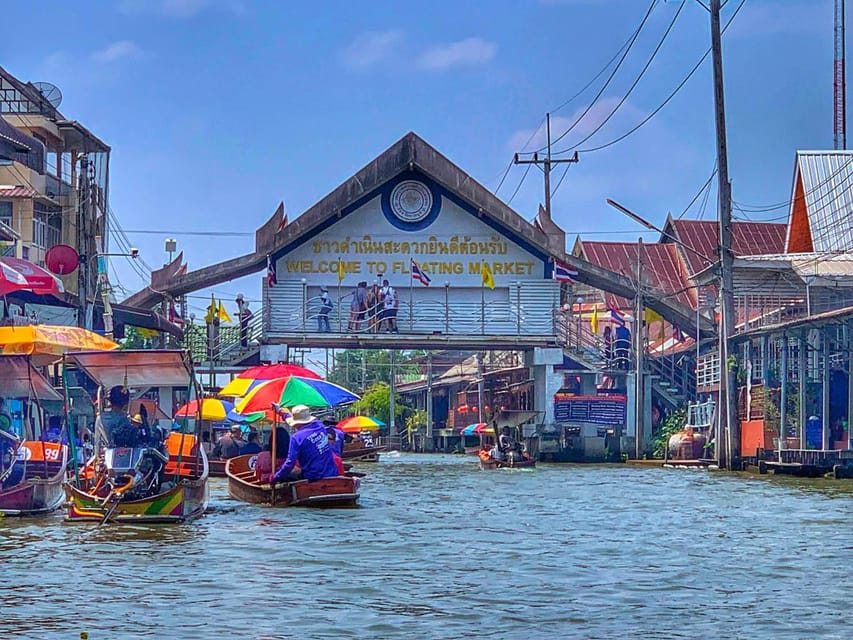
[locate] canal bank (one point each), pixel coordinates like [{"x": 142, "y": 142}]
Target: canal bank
[{"x": 442, "y": 550}]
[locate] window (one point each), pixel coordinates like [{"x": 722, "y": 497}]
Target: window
[{"x": 6, "y": 212}]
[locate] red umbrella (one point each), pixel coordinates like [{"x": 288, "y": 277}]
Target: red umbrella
[
  {"x": 39, "y": 281},
  {"x": 10, "y": 280},
  {"x": 282, "y": 370}
]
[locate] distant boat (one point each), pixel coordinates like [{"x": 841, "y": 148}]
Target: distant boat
[
  {"x": 33, "y": 484},
  {"x": 488, "y": 463}
]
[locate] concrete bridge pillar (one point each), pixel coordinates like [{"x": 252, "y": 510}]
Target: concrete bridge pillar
[{"x": 546, "y": 382}]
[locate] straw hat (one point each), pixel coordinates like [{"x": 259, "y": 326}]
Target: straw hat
[
  {"x": 137, "y": 419},
  {"x": 301, "y": 415}
]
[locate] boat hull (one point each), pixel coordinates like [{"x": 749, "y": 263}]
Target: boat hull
[
  {"x": 32, "y": 497},
  {"x": 216, "y": 468},
  {"x": 363, "y": 454},
  {"x": 491, "y": 464},
  {"x": 340, "y": 491},
  {"x": 185, "y": 501}
]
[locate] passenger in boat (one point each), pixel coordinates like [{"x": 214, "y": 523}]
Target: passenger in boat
[
  {"x": 206, "y": 444},
  {"x": 229, "y": 444},
  {"x": 309, "y": 447},
  {"x": 251, "y": 445},
  {"x": 337, "y": 445},
  {"x": 264, "y": 465},
  {"x": 113, "y": 428}
]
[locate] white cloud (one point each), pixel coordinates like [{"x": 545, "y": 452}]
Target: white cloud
[
  {"x": 179, "y": 9},
  {"x": 117, "y": 51},
  {"x": 625, "y": 117},
  {"x": 371, "y": 48},
  {"x": 467, "y": 52}
]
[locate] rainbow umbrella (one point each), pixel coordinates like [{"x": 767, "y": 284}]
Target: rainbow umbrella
[
  {"x": 477, "y": 428},
  {"x": 212, "y": 409},
  {"x": 253, "y": 376},
  {"x": 292, "y": 391},
  {"x": 239, "y": 387},
  {"x": 357, "y": 424}
]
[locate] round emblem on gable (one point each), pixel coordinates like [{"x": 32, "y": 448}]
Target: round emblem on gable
[{"x": 411, "y": 201}]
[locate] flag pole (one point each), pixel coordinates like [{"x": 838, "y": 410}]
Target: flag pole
[
  {"x": 411, "y": 299},
  {"x": 483, "y": 301}
]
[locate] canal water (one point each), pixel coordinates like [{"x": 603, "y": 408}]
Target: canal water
[{"x": 439, "y": 549}]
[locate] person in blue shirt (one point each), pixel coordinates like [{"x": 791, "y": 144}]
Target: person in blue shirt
[
  {"x": 310, "y": 447},
  {"x": 251, "y": 445}
]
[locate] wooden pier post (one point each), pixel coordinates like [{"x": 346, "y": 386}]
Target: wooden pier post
[
  {"x": 783, "y": 395},
  {"x": 802, "y": 375},
  {"x": 824, "y": 391}
]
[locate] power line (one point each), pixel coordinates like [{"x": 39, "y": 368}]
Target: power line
[
  {"x": 671, "y": 95},
  {"x": 601, "y": 91},
  {"x": 633, "y": 85},
  {"x": 521, "y": 182},
  {"x": 190, "y": 233},
  {"x": 560, "y": 181},
  {"x": 698, "y": 193}
]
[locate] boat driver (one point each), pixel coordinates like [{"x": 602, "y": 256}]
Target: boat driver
[
  {"x": 113, "y": 427},
  {"x": 310, "y": 447}
]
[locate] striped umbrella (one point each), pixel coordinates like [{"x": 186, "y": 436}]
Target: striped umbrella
[
  {"x": 357, "y": 424},
  {"x": 477, "y": 428},
  {"x": 292, "y": 391},
  {"x": 212, "y": 409}
]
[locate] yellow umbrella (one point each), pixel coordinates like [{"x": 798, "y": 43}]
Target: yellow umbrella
[
  {"x": 238, "y": 387},
  {"x": 47, "y": 343}
]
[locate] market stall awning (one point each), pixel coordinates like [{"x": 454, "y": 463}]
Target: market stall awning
[
  {"x": 21, "y": 380},
  {"x": 46, "y": 343},
  {"x": 133, "y": 368}
]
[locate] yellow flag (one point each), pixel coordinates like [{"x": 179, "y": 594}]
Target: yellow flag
[
  {"x": 341, "y": 270},
  {"x": 593, "y": 324},
  {"x": 223, "y": 314},
  {"x": 653, "y": 316},
  {"x": 488, "y": 279},
  {"x": 211, "y": 314}
]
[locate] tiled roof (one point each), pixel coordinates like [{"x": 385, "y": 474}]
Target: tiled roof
[
  {"x": 661, "y": 267},
  {"x": 14, "y": 191},
  {"x": 827, "y": 183},
  {"x": 748, "y": 239}
]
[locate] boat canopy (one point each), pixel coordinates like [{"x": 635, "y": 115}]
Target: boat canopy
[
  {"x": 135, "y": 368},
  {"x": 20, "y": 379}
]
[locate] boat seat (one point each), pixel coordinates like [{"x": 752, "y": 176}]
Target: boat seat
[{"x": 41, "y": 469}]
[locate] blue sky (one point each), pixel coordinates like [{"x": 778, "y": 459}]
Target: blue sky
[{"x": 216, "y": 110}]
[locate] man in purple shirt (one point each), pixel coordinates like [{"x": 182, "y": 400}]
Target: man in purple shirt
[{"x": 310, "y": 447}]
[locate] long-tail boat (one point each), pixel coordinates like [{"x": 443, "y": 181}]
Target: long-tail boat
[
  {"x": 513, "y": 461},
  {"x": 148, "y": 482},
  {"x": 243, "y": 485},
  {"x": 31, "y": 471}
]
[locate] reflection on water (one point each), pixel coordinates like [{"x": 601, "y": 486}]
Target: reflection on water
[{"x": 440, "y": 549}]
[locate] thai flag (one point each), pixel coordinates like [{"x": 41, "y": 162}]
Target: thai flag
[
  {"x": 272, "y": 280},
  {"x": 563, "y": 272},
  {"x": 419, "y": 275},
  {"x": 616, "y": 316}
]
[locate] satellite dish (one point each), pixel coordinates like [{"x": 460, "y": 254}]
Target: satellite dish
[
  {"x": 61, "y": 259},
  {"x": 50, "y": 92}
]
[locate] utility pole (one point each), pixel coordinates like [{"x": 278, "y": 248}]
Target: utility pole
[
  {"x": 840, "y": 79},
  {"x": 639, "y": 348},
  {"x": 546, "y": 162},
  {"x": 392, "y": 425},
  {"x": 428, "y": 442},
  {"x": 82, "y": 232},
  {"x": 728, "y": 430}
]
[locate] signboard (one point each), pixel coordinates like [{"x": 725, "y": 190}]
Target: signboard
[
  {"x": 413, "y": 221},
  {"x": 606, "y": 410}
]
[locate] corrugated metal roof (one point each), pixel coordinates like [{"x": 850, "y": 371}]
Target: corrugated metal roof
[
  {"x": 748, "y": 238},
  {"x": 661, "y": 267},
  {"x": 16, "y": 191},
  {"x": 827, "y": 178}
]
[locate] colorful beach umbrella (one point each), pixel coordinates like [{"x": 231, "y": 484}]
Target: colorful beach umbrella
[
  {"x": 357, "y": 424},
  {"x": 239, "y": 387},
  {"x": 477, "y": 428},
  {"x": 292, "y": 391},
  {"x": 212, "y": 409},
  {"x": 280, "y": 370}
]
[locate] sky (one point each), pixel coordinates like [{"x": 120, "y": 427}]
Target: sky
[{"x": 217, "y": 110}]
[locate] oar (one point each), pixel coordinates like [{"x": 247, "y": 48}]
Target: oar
[
  {"x": 112, "y": 508},
  {"x": 273, "y": 451}
]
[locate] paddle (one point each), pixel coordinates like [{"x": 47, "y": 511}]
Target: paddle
[{"x": 275, "y": 409}]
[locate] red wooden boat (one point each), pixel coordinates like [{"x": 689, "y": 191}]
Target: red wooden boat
[
  {"x": 33, "y": 485},
  {"x": 360, "y": 453},
  {"x": 216, "y": 468},
  {"x": 340, "y": 491}
]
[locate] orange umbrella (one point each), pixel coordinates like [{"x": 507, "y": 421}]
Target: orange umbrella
[
  {"x": 357, "y": 424},
  {"x": 47, "y": 343}
]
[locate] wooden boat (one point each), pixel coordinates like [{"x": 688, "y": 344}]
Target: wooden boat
[
  {"x": 217, "y": 468},
  {"x": 31, "y": 471},
  {"x": 34, "y": 483},
  {"x": 340, "y": 491},
  {"x": 488, "y": 463},
  {"x": 362, "y": 454},
  {"x": 142, "y": 483},
  {"x": 182, "y": 495}
]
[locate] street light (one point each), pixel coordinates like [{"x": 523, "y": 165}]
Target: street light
[
  {"x": 648, "y": 225},
  {"x": 171, "y": 247}
]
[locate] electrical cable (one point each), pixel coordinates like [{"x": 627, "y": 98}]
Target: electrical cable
[
  {"x": 521, "y": 182},
  {"x": 633, "y": 85},
  {"x": 601, "y": 91},
  {"x": 669, "y": 98},
  {"x": 565, "y": 171},
  {"x": 699, "y": 193}
]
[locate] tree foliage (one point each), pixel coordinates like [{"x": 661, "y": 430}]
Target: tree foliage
[
  {"x": 360, "y": 369},
  {"x": 376, "y": 403}
]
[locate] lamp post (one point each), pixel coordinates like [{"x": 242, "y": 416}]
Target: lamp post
[{"x": 104, "y": 281}]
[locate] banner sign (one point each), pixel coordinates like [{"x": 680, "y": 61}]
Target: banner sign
[{"x": 606, "y": 410}]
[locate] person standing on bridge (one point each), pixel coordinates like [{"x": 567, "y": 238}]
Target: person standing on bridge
[{"x": 245, "y": 316}]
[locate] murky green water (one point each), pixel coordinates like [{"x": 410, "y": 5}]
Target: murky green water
[{"x": 440, "y": 549}]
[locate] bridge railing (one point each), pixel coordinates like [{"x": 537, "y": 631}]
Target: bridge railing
[{"x": 451, "y": 316}]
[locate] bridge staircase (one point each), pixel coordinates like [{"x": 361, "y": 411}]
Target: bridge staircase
[{"x": 228, "y": 353}]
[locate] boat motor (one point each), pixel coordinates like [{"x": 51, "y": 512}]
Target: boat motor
[{"x": 134, "y": 470}]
